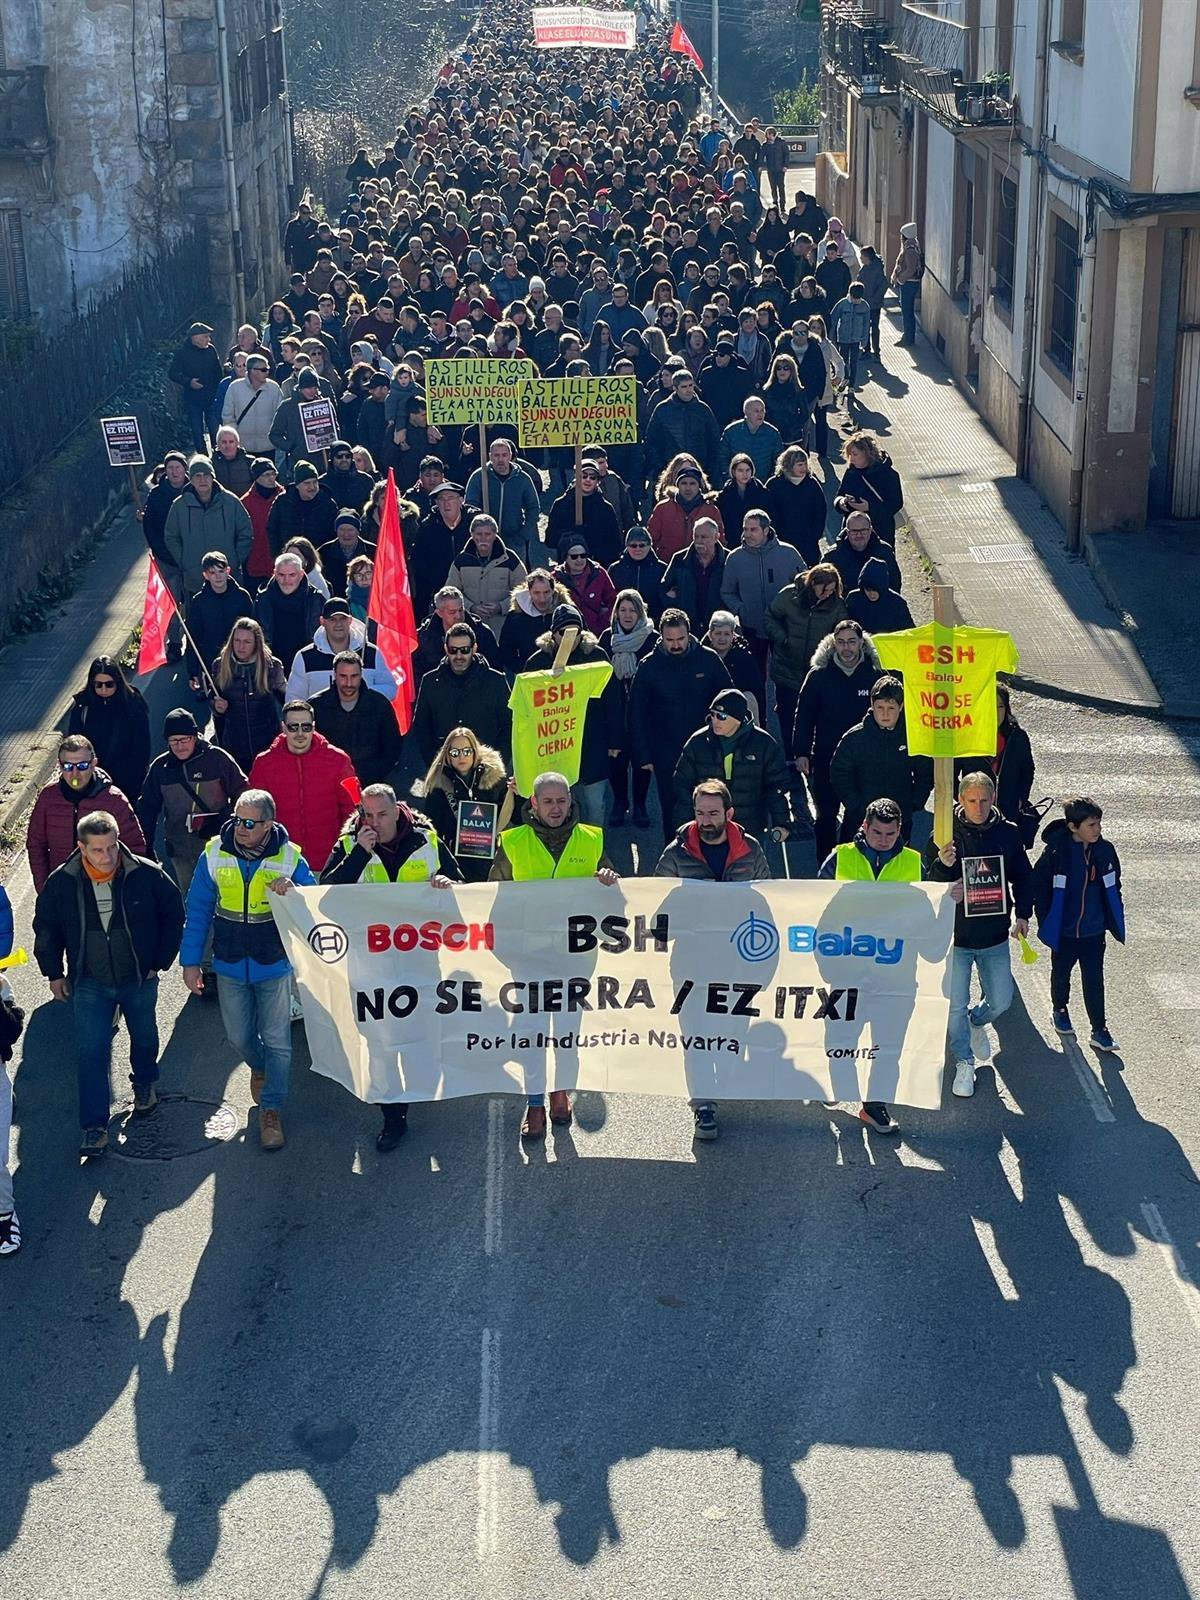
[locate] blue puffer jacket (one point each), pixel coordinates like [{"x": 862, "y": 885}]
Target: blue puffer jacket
[
  {"x": 1056, "y": 918},
  {"x": 250, "y": 952}
]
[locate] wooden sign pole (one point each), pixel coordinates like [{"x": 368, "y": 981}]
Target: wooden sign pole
[
  {"x": 943, "y": 766},
  {"x": 135, "y": 489},
  {"x": 578, "y": 487},
  {"x": 483, "y": 466}
]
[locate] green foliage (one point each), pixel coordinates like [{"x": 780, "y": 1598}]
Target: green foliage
[{"x": 800, "y": 104}]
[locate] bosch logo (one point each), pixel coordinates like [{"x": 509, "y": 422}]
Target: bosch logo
[
  {"x": 328, "y": 940},
  {"x": 756, "y": 939},
  {"x": 430, "y": 936}
]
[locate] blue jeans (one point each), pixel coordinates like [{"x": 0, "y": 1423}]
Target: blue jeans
[
  {"x": 996, "y": 982},
  {"x": 908, "y": 309},
  {"x": 96, "y": 1006},
  {"x": 591, "y": 799},
  {"x": 196, "y": 415},
  {"x": 6, "y": 1108},
  {"x": 850, "y": 354},
  {"x": 258, "y": 1022}
]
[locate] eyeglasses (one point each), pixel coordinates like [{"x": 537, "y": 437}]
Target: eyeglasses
[
  {"x": 248, "y": 822},
  {"x": 341, "y": 455},
  {"x": 299, "y": 727},
  {"x": 103, "y": 683},
  {"x": 74, "y": 766},
  {"x": 456, "y": 754},
  {"x": 459, "y": 649},
  {"x": 720, "y": 716}
]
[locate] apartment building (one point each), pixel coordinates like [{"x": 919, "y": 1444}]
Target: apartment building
[
  {"x": 1049, "y": 151},
  {"x": 119, "y": 121}
]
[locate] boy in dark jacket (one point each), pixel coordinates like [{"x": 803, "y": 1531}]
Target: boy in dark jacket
[
  {"x": 747, "y": 759},
  {"x": 1077, "y": 896},
  {"x": 980, "y": 939},
  {"x": 875, "y": 603},
  {"x": 873, "y": 760}
]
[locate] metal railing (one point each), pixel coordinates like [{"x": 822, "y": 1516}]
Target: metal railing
[{"x": 50, "y": 386}]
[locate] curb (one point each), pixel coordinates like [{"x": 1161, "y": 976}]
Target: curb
[{"x": 1052, "y": 691}]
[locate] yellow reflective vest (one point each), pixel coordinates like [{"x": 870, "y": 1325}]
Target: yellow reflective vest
[
  {"x": 418, "y": 868},
  {"x": 904, "y": 868},
  {"x": 530, "y": 859}
]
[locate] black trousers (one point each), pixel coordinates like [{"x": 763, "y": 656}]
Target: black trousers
[
  {"x": 619, "y": 769},
  {"x": 1089, "y": 954},
  {"x": 825, "y": 807}
]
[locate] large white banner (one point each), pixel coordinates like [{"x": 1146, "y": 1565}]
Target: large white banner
[
  {"x": 756, "y": 991},
  {"x": 583, "y": 27}
]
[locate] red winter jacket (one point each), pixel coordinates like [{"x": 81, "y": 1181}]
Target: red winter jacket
[
  {"x": 593, "y": 592},
  {"x": 260, "y": 563},
  {"x": 309, "y": 799},
  {"x": 56, "y": 813}
]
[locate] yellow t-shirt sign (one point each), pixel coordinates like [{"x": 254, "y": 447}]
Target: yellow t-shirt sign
[
  {"x": 548, "y": 713},
  {"x": 949, "y": 685}
]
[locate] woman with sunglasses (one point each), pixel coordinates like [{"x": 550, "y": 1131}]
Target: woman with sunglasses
[
  {"x": 110, "y": 712},
  {"x": 465, "y": 769}
]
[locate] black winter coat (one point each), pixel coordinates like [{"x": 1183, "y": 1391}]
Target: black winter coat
[
  {"x": 669, "y": 701},
  {"x": 723, "y": 389},
  {"x": 289, "y": 624},
  {"x": 645, "y": 576},
  {"x": 798, "y": 513},
  {"x": 368, "y": 734},
  {"x": 733, "y": 504},
  {"x": 879, "y": 485},
  {"x": 997, "y": 837},
  {"x": 681, "y": 586},
  {"x": 679, "y": 425},
  {"x": 475, "y": 699},
  {"x": 120, "y": 732},
  {"x": 292, "y": 518},
  {"x": 154, "y": 522},
  {"x": 873, "y": 763},
  {"x": 743, "y": 669},
  {"x": 210, "y": 620},
  {"x": 831, "y": 701},
  {"x": 148, "y": 905},
  {"x": 252, "y": 721},
  {"x": 443, "y": 814},
  {"x": 431, "y": 554},
  {"x": 888, "y": 614},
  {"x": 756, "y": 781},
  {"x": 850, "y": 561}
]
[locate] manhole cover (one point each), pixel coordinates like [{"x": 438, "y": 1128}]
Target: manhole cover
[
  {"x": 178, "y": 1126},
  {"x": 995, "y": 555}
]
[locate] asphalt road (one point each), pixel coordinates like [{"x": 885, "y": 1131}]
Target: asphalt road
[{"x": 803, "y": 1359}]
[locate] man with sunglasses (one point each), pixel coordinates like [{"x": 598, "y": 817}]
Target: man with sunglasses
[
  {"x": 463, "y": 692},
  {"x": 82, "y": 786},
  {"x": 251, "y": 856},
  {"x": 597, "y": 526},
  {"x": 304, "y": 774},
  {"x": 344, "y": 483}
]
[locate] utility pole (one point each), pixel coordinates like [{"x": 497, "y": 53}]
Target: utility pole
[{"x": 716, "y": 57}]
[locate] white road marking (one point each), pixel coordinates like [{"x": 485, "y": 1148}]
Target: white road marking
[
  {"x": 837, "y": 1142},
  {"x": 1181, "y": 1275},
  {"x": 487, "y": 1522},
  {"x": 493, "y": 1192},
  {"x": 987, "y": 1243},
  {"x": 1039, "y": 975}
]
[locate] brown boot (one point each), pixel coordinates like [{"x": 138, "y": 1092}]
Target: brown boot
[
  {"x": 560, "y": 1108},
  {"x": 257, "y": 1081},
  {"x": 534, "y": 1126},
  {"x": 270, "y": 1130}
]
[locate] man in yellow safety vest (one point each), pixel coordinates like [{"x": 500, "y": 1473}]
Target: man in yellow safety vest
[
  {"x": 550, "y": 843},
  {"x": 876, "y": 854},
  {"x": 386, "y": 842}
]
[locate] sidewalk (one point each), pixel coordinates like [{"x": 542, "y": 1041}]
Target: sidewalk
[
  {"x": 989, "y": 535},
  {"x": 42, "y": 670}
]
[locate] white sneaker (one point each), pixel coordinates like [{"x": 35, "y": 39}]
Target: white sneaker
[
  {"x": 964, "y": 1079},
  {"x": 297, "y": 1010},
  {"x": 981, "y": 1042},
  {"x": 10, "y": 1234}
]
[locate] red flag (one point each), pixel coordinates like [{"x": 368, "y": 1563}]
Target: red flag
[
  {"x": 391, "y": 607},
  {"x": 157, "y": 610},
  {"x": 681, "y": 45}
]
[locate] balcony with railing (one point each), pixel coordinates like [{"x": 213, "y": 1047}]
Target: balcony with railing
[
  {"x": 854, "y": 41},
  {"x": 24, "y": 125},
  {"x": 936, "y": 60}
]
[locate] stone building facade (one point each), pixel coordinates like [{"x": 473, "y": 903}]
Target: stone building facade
[{"x": 120, "y": 117}]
